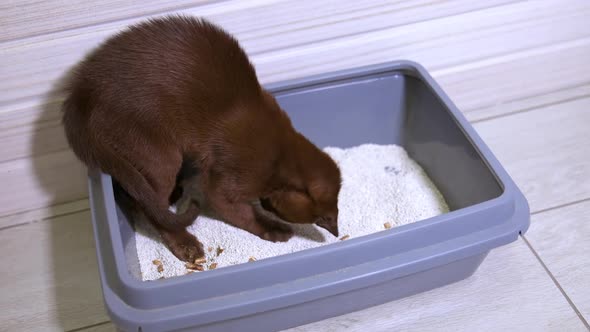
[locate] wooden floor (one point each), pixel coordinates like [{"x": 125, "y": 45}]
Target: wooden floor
[{"x": 519, "y": 70}]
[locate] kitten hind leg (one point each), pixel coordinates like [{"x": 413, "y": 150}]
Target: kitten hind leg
[{"x": 182, "y": 244}]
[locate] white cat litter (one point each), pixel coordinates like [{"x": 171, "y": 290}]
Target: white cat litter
[{"x": 381, "y": 184}]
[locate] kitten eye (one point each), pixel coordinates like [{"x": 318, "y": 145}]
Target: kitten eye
[
  {"x": 302, "y": 191},
  {"x": 308, "y": 194}
]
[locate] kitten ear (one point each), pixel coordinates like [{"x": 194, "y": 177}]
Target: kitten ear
[{"x": 291, "y": 206}]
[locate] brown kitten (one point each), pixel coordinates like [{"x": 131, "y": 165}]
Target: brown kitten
[{"x": 181, "y": 90}]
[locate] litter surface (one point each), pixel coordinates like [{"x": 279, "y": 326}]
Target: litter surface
[{"x": 382, "y": 188}]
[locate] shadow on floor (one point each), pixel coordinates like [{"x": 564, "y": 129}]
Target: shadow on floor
[{"x": 77, "y": 294}]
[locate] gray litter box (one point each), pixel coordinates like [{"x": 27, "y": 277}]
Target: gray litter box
[{"x": 390, "y": 103}]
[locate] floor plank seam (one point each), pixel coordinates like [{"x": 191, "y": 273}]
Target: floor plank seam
[
  {"x": 17, "y": 225},
  {"x": 541, "y": 94},
  {"x": 46, "y": 218},
  {"x": 65, "y": 214},
  {"x": 557, "y": 284},
  {"x": 89, "y": 326},
  {"x": 532, "y": 96},
  {"x": 514, "y": 55},
  {"x": 7, "y": 215},
  {"x": 529, "y": 109},
  {"x": 561, "y": 205}
]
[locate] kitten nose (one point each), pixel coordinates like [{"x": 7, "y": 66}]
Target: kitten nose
[
  {"x": 333, "y": 229},
  {"x": 330, "y": 225}
]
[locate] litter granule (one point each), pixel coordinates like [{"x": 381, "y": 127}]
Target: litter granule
[{"x": 382, "y": 188}]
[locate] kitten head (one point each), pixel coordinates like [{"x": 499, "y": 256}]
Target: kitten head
[{"x": 311, "y": 183}]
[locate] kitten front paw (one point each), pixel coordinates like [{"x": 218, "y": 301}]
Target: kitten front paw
[{"x": 278, "y": 235}]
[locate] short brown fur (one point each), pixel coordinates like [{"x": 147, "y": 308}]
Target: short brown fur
[{"x": 180, "y": 90}]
